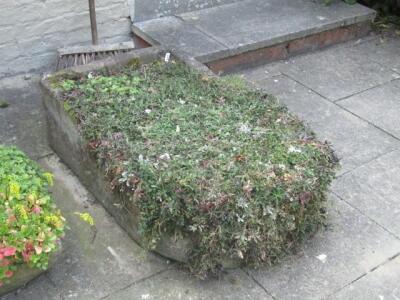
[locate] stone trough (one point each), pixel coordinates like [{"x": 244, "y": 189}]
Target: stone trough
[{"x": 65, "y": 139}]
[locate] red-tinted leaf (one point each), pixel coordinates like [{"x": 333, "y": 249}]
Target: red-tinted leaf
[
  {"x": 9, "y": 273},
  {"x": 8, "y": 251},
  {"x": 4, "y": 262}
]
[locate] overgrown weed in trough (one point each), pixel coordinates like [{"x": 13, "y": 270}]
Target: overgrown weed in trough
[{"x": 205, "y": 158}]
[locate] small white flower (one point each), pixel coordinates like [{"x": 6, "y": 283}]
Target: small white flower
[
  {"x": 145, "y": 296},
  {"x": 178, "y": 129},
  {"x": 322, "y": 258},
  {"x": 90, "y": 75},
  {"x": 203, "y": 148},
  {"x": 192, "y": 228},
  {"x": 242, "y": 203},
  {"x": 141, "y": 158},
  {"x": 245, "y": 128},
  {"x": 165, "y": 156},
  {"x": 181, "y": 101},
  {"x": 293, "y": 149},
  {"x": 147, "y": 111},
  {"x": 239, "y": 218}
]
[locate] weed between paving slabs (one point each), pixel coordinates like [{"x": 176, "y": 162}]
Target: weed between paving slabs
[{"x": 202, "y": 158}]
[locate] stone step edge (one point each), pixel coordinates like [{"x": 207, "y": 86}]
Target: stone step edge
[
  {"x": 289, "y": 48},
  {"x": 228, "y": 60}
]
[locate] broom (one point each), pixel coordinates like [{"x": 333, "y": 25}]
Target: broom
[{"x": 81, "y": 55}]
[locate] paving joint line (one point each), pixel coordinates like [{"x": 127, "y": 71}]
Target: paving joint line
[
  {"x": 368, "y": 89},
  {"x": 369, "y": 122},
  {"x": 135, "y": 282},
  {"x": 202, "y": 31},
  {"x": 346, "y": 285},
  {"x": 337, "y": 104},
  {"x": 343, "y": 108},
  {"x": 260, "y": 285},
  {"x": 365, "y": 274},
  {"x": 368, "y": 217},
  {"x": 367, "y": 162}
]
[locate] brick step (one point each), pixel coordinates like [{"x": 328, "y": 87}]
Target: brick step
[{"x": 252, "y": 32}]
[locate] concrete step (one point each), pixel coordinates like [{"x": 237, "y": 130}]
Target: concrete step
[{"x": 251, "y": 32}]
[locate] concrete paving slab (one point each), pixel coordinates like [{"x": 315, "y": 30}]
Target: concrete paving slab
[
  {"x": 259, "y": 73},
  {"x": 39, "y": 289},
  {"x": 337, "y": 72},
  {"x": 254, "y": 24},
  {"x": 382, "y": 283},
  {"x": 380, "y": 106},
  {"x": 175, "y": 284},
  {"x": 95, "y": 262},
  {"x": 374, "y": 189},
  {"x": 355, "y": 141},
  {"x": 386, "y": 52},
  {"x": 23, "y": 122},
  {"x": 351, "y": 246},
  {"x": 175, "y": 33}
]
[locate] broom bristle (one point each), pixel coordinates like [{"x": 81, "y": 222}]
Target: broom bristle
[
  {"x": 72, "y": 60},
  {"x": 77, "y": 56}
]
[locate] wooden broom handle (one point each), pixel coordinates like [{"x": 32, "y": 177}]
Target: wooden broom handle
[{"x": 93, "y": 22}]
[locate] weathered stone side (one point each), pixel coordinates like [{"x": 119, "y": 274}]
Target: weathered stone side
[{"x": 32, "y": 30}]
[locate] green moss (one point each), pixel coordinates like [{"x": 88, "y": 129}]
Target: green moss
[
  {"x": 134, "y": 63},
  {"x": 56, "y": 79},
  {"x": 70, "y": 112},
  {"x": 3, "y": 104},
  {"x": 208, "y": 158}
]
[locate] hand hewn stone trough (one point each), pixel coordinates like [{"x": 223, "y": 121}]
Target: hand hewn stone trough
[{"x": 65, "y": 139}]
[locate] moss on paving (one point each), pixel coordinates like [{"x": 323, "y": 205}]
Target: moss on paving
[
  {"x": 3, "y": 104},
  {"x": 207, "y": 158}
]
